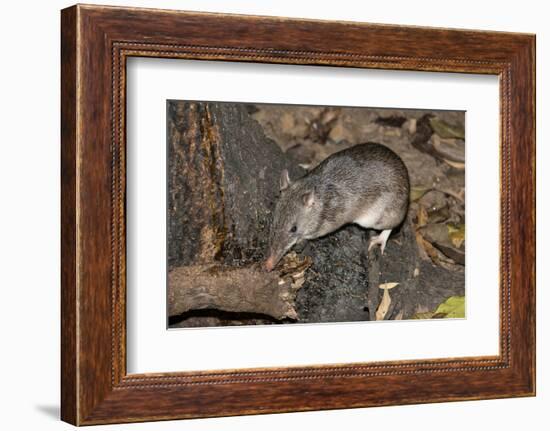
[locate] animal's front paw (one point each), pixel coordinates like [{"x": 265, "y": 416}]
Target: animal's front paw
[{"x": 380, "y": 240}]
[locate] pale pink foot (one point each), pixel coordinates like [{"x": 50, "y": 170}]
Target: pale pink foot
[{"x": 380, "y": 240}]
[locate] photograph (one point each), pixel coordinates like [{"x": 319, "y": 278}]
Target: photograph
[
  {"x": 272, "y": 210},
  {"x": 305, "y": 214}
]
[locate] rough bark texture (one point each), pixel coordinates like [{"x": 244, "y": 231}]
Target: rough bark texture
[
  {"x": 223, "y": 179},
  {"x": 244, "y": 290},
  {"x": 337, "y": 284}
]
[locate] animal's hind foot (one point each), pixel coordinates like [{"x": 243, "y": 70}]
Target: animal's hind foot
[{"x": 380, "y": 240}]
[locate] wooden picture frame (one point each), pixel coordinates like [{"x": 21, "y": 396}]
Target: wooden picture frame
[{"x": 95, "y": 43}]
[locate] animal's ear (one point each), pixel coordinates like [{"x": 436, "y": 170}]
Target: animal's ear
[
  {"x": 308, "y": 198},
  {"x": 284, "y": 181}
]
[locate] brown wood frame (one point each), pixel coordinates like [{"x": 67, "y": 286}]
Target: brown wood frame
[{"x": 95, "y": 43}]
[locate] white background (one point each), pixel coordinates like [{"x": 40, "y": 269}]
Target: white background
[
  {"x": 29, "y": 216},
  {"x": 151, "y": 348}
]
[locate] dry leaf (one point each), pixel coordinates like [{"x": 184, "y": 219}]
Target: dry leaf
[
  {"x": 412, "y": 126},
  {"x": 456, "y": 234},
  {"x": 438, "y": 215},
  {"x": 456, "y": 165},
  {"x": 428, "y": 248},
  {"x": 384, "y": 305},
  {"x": 450, "y": 149},
  {"x": 421, "y": 216},
  {"x": 446, "y": 130},
  {"x": 421, "y": 250},
  {"x": 459, "y": 196},
  {"x": 447, "y": 239},
  {"x": 418, "y": 192}
]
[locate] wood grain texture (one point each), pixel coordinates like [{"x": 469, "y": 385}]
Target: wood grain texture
[
  {"x": 242, "y": 290},
  {"x": 69, "y": 396},
  {"x": 96, "y": 41}
]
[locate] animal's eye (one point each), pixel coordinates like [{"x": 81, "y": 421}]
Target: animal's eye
[{"x": 293, "y": 229}]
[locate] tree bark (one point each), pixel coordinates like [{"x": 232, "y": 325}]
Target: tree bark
[
  {"x": 236, "y": 289},
  {"x": 223, "y": 179}
]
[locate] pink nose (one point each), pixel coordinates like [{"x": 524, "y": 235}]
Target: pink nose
[{"x": 269, "y": 264}]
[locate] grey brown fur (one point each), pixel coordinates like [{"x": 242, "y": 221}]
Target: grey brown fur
[{"x": 367, "y": 184}]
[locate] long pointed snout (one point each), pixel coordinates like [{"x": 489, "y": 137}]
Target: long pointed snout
[
  {"x": 273, "y": 259},
  {"x": 270, "y": 263},
  {"x": 275, "y": 255}
]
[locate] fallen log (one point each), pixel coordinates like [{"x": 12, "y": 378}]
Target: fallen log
[{"x": 236, "y": 289}]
